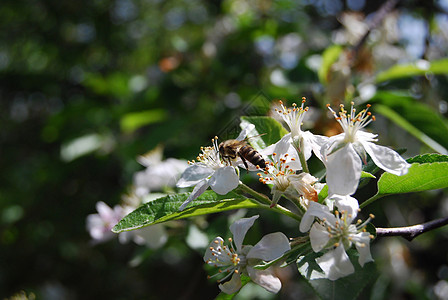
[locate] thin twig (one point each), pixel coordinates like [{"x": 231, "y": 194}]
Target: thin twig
[
  {"x": 387, "y": 7},
  {"x": 411, "y": 232}
]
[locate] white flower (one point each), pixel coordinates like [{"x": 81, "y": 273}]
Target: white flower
[
  {"x": 335, "y": 232},
  {"x": 301, "y": 141},
  {"x": 100, "y": 225},
  {"x": 153, "y": 237},
  {"x": 158, "y": 174},
  {"x": 209, "y": 170},
  {"x": 240, "y": 259},
  {"x": 281, "y": 173},
  {"x": 342, "y": 154}
]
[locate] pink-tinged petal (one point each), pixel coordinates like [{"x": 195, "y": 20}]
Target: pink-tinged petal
[
  {"x": 270, "y": 247},
  {"x": 348, "y": 204},
  {"x": 265, "y": 279},
  {"x": 105, "y": 212},
  {"x": 197, "y": 191},
  {"x": 215, "y": 244},
  {"x": 386, "y": 158},
  {"x": 239, "y": 230},
  {"x": 224, "y": 180},
  {"x": 335, "y": 263},
  {"x": 193, "y": 175},
  {"x": 154, "y": 236},
  {"x": 319, "y": 237},
  {"x": 231, "y": 286},
  {"x": 363, "y": 247},
  {"x": 315, "y": 210},
  {"x": 343, "y": 171}
]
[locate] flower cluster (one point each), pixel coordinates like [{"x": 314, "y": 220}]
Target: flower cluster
[
  {"x": 334, "y": 231},
  {"x": 329, "y": 222},
  {"x": 327, "y": 216}
]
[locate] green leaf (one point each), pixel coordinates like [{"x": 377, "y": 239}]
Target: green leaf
[
  {"x": 348, "y": 287},
  {"x": 329, "y": 57},
  {"x": 133, "y": 121},
  {"x": 428, "y": 158},
  {"x": 403, "y": 123},
  {"x": 167, "y": 208},
  {"x": 427, "y": 172},
  {"x": 223, "y": 296},
  {"x": 367, "y": 175},
  {"x": 271, "y": 129},
  {"x": 323, "y": 194},
  {"x": 437, "y": 67},
  {"x": 421, "y": 177}
]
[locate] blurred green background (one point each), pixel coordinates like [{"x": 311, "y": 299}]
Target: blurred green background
[{"x": 87, "y": 86}]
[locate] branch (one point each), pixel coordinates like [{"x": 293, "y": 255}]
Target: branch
[
  {"x": 378, "y": 17},
  {"x": 411, "y": 232}
]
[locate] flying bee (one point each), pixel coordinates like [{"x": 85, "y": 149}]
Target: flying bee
[{"x": 230, "y": 149}]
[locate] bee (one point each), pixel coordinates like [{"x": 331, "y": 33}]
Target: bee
[{"x": 230, "y": 149}]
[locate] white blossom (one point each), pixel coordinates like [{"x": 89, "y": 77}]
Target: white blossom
[
  {"x": 343, "y": 153},
  {"x": 281, "y": 174},
  {"x": 236, "y": 259},
  {"x": 208, "y": 171},
  {"x": 100, "y": 225},
  {"x": 336, "y": 233},
  {"x": 158, "y": 175},
  {"x": 299, "y": 141}
]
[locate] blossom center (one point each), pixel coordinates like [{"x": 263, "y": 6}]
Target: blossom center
[
  {"x": 293, "y": 116},
  {"x": 210, "y": 156},
  {"x": 277, "y": 173},
  {"x": 352, "y": 122},
  {"x": 226, "y": 259}
]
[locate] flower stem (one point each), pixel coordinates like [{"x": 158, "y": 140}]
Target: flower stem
[
  {"x": 263, "y": 199},
  {"x": 370, "y": 200},
  {"x": 299, "y": 146}
]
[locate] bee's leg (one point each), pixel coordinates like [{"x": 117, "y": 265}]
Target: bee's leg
[{"x": 244, "y": 162}]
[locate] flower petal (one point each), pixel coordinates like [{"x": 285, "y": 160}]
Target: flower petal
[
  {"x": 386, "y": 158},
  {"x": 348, "y": 204},
  {"x": 217, "y": 242},
  {"x": 246, "y": 129},
  {"x": 319, "y": 237},
  {"x": 239, "y": 230},
  {"x": 193, "y": 175},
  {"x": 343, "y": 171},
  {"x": 265, "y": 279},
  {"x": 231, "y": 286},
  {"x": 315, "y": 210},
  {"x": 317, "y": 142},
  {"x": 336, "y": 263},
  {"x": 224, "y": 180},
  {"x": 154, "y": 236},
  {"x": 363, "y": 247},
  {"x": 197, "y": 191},
  {"x": 270, "y": 247},
  {"x": 282, "y": 147}
]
